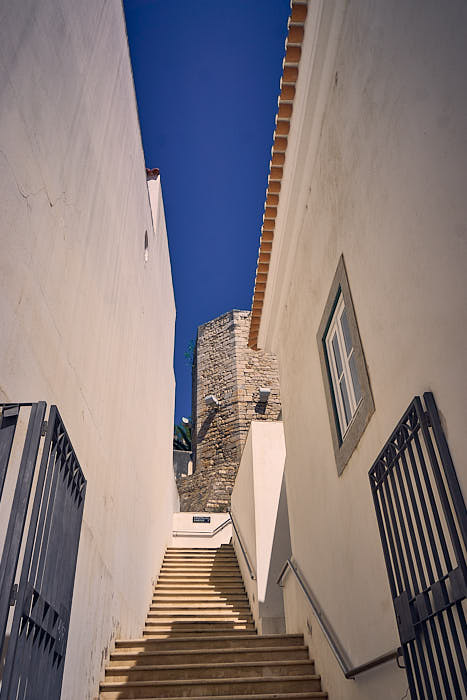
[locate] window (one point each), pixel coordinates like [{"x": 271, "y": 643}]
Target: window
[
  {"x": 341, "y": 358},
  {"x": 346, "y": 382}
]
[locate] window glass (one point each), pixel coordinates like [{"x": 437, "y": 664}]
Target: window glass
[
  {"x": 346, "y": 332},
  {"x": 341, "y": 357},
  {"x": 345, "y": 399},
  {"x": 355, "y": 382},
  {"x": 337, "y": 355}
]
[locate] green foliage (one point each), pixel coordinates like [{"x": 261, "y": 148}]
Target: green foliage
[
  {"x": 190, "y": 352},
  {"x": 182, "y": 437}
]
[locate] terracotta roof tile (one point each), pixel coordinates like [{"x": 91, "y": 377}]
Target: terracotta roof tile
[
  {"x": 152, "y": 173},
  {"x": 275, "y": 174},
  {"x": 278, "y": 155}
]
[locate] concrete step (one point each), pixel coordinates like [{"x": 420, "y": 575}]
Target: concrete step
[
  {"x": 198, "y": 599},
  {"x": 244, "y": 669},
  {"x": 188, "y": 604},
  {"x": 178, "y": 634},
  {"x": 201, "y": 561},
  {"x": 207, "y": 656},
  {"x": 195, "y": 564},
  {"x": 201, "y": 642},
  {"x": 155, "y": 619},
  {"x": 200, "y": 577},
  {"x": 204, "y": 556},
  {"x": 175, "y": 618},
  {"x": 310, "y": 695},
  {"x": 198, "y": 594},
  {"x": 209, "y": 686},
  {"x": 181, "y": 622},
  {"x": 179, "y": 566},
  {"x": 175, "y": 614},
  {"x": 197, "y": 625},
  {"x": 207, "y": 573},
  {"x": 226, "y": 556},
  {"x": 199, "y": 586},
  {"x": 200, "y": 550}
]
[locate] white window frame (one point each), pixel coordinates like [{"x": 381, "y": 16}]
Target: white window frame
[{"x": 343, "y": 377}]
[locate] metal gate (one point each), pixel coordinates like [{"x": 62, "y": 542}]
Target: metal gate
[
  {"x": 423, "y": 526},
  {"x": 44, "y": 561}
]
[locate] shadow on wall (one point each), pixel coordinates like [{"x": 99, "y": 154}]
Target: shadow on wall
[{"x": 206, "y": 425}]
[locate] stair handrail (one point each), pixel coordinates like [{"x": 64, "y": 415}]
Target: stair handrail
[
  {"x": 331, "y": 637},
  {"x": 203, "y": 533},
  {"x": 245, "y": 555}
]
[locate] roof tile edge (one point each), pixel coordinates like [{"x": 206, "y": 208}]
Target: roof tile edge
[{"x": 290, "y": 67}]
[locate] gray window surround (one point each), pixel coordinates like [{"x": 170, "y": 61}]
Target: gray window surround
[{"x": 344, "y": 447}]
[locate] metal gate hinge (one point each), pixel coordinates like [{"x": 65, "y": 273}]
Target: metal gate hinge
[
  {"x": 13, "y": 594},
  {"x": 44, "y": 427}
]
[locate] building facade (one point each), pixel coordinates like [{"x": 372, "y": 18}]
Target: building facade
[
  {"x": 226, "y": 369},
  {"x": 360, "y": 293},
  {"x": 86, "y": 306}
]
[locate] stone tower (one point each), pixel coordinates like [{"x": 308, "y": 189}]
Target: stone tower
[{"x": 224, "y": 367}]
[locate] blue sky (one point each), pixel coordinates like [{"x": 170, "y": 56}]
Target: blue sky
[{"x": 207, "y": 78}]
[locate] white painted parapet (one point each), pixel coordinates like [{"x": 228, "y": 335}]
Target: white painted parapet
[
  {"x": 201, "y": 529},
  {"x": 259, "y": 510}
]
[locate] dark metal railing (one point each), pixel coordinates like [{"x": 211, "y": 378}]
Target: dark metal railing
[
  {"x": 245, "y": 555},
  {"x": 348, "y": 670}
]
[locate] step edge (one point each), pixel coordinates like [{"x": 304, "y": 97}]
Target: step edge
[{"x": 210, "y": 681}]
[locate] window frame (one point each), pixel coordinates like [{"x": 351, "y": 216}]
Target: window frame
[{"x": 345, "y": 437}]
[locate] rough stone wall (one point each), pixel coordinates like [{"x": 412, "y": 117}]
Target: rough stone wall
[{"x": 224, "y": 366}]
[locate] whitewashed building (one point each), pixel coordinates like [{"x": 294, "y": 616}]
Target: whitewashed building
[
  {"x": 86, "y": 303},
  {"x": 360, "y": 291}
]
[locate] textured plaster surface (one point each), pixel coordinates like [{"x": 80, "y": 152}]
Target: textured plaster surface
[
  {"x": 85, "y": 322},
  {"x": 386, "y": 190}
]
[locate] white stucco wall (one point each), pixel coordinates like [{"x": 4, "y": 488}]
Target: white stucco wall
[
  {"x": 378, "y": 175},
  {"x": 186, "y": 533},
  {"x": 85, "y": 322},
  {"x": 260, "y": 512}
]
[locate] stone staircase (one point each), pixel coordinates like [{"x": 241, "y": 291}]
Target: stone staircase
[{"x": 200, "y": 641}]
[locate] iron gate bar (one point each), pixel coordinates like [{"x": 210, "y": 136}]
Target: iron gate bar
[
  {"x": 424, "y": 587},
  {"x": 19, "y": 509},
  {"x": 401, "y": 461},
  {"x": 23, "y": 588},
  {"x": 40, "y": 625},
  {"x": 431, "y": 418},
  {"x": 451, "y": 478},
  {"x": 412, "y": 532},
  {"x": 434, "y": 550},
  {"x": 8, "y": 422},
  {"x": 59, "y": 528},
  {"x": 415, "y": 582}
]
